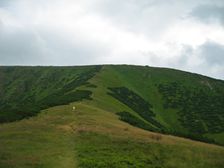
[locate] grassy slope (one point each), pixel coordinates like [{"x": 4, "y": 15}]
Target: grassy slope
[
  {"x": 24, "y": 91},
  {"x": 92, "y": 137},
  {"x": 38, "y": 141},
  {"x": 144, "y": 81}
]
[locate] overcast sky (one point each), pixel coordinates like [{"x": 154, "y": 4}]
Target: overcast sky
[{"x": 182, "y": 34}]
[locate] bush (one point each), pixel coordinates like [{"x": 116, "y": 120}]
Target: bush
[
  {"x": 133, "y": 120},
  {"x": 26, "y": 95},
  {"x": 136, "y": 103},
  {"x": 201, "y": 110}
]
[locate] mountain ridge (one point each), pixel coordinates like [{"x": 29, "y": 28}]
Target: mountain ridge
[
  {"x": 102, "y": 65},
  {"x": 52, "y": 86},
  {"x": 116, "y": 109}
]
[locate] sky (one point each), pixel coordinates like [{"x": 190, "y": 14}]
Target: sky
[{"x": 180, "y": 34}]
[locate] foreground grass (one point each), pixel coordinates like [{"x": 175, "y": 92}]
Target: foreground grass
[
  {"x": 107, "y": 142},
  {"x": 99, "y": 150},
  {"x": 92, "y": 137},
  {"x": 38, "y": 142}
]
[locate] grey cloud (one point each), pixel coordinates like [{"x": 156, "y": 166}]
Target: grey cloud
[
  {"x": 43, "y": 44},
  {"x": 46, "y": 47},
  {"x": 212, "y": 52},
  {"x": 150, "y": 17},
  {"x": 209, "y": 58},
  {"x": 209, "y": 13},
  {"x": 187, "y": 51},
  {"x": 75, "y": 51},
  {"x": 1, "y": 26},
  {"x": 3, "y": 3},
  {"x": 19, "y": 47}
]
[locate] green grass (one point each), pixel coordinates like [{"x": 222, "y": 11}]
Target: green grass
[
  {"x": 146, "y": 82},
  {"x": 38, "y": 142},
  {"x": 27, "y": 90},
  {"x": 105, "y": 129},
  {"x": 182, "y": 103},
  {"x": 92, "y": 137},
  {"x": 97, "y": 150}
]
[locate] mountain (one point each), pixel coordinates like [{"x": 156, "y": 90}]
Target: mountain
[{"x": 110, "y": 116}]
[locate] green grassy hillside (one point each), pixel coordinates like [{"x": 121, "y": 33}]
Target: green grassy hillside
[
  {"x": 163, "y": 100},
  {"x": 24, "y": 91},
  {"x": 91, "y": 137},
  {"x": 117, "y": 108}
]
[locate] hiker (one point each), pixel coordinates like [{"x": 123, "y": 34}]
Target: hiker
[{"x": 73, "y": 108}]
